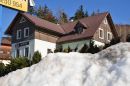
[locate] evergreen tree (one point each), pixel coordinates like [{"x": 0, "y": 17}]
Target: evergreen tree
[
  {"x": 84, "y": 49},
  {"x": 39, "y": 12},
  {"x": 36, "y": 57},
  {"x": 63, "y": 18},
  {"x": 86, "y": 14},
  {"x": 31, "y": 10},
  {"x": 93, "y": 13},
  {"x": 46, "y": 13},
  {"x": 79, "y": 13}
]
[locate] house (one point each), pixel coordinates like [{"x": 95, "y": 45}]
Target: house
[
  {"x": 99, "y": 28},
  {"x": 5, "y": 50},
  {"x": 30, "y": 34},
  {"x": 123, "y": 31}
]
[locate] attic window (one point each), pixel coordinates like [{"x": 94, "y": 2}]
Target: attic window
[
  {"x": 22, "y": 20},
  {"x": 105, "y": 21}
]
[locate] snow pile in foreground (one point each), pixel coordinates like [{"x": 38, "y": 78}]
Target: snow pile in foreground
[{"x": 110, "y": 67}]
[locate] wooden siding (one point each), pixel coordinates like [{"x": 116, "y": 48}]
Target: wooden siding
[
  {"x": 21, "y": 26},
  {"x": 45, "y": 37},
  {"x": 106, "y": 28}
]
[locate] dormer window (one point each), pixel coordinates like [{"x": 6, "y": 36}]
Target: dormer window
[
  {"x": 79, "y": 30},
  {"x": 22, "y": 20},
  {"x": 19, "y": 34}
]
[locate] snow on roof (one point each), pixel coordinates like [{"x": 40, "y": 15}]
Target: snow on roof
[{"x": 107, "y": 68}]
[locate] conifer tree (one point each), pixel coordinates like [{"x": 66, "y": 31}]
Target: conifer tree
[{"x": 46, "y": 13}]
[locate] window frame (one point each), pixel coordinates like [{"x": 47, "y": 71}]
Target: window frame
[
  {"x": 18, "y": 34},
  {"x": 27, "y": 28},
  {"x": 100, "y": 29},
  {"x": 25, "y": 51},
  {"x": 110, "y": 36},
  {"x": 105, "y": 21}
]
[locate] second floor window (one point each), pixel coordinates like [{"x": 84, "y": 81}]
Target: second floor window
[
  {"x": 109, "y": 36},
  {"x": 26, "y": 32},
  {"x": 19, "y": 34},
  {"x": 101, "y": 33}
]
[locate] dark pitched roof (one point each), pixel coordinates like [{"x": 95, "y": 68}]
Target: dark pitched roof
[
  {"x": 6, "y": 41},
  {"x": 43, "y": 24},
  {"x": 92, "y": 23}
]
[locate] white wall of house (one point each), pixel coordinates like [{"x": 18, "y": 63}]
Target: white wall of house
[
  {"x": 75, "y": 44},
  {"x": 80, "y": 44},
  {"x": 43, "y": 46},
  {"x": 34, "y": 45}
]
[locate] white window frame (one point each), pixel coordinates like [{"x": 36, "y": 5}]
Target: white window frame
[
  {"x": 18, "y": 34},
  {"x": 22, "y": 20},
  {"x": 110, "y": 36},
  {"x": 25, "y": 31},
  {"x": 102, "y": 33},
  {"x": 105, "y": 21}
]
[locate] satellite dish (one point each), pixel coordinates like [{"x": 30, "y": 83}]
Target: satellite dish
[{"x": 31, "y": 3}]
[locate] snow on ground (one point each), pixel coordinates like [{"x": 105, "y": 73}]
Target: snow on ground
[{"x": 110, "y": 67}]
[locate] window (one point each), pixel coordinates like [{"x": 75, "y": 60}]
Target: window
[
  {"x": 19, "y": 34},
  {"x": 105, "y": 21},
  {"x": 79, "y": 30},
  {"x": 101, "y": 33},
  {"x": 26, "y": 32},
  {"x": 17, "y": 53},
  {"x": 26, "y": 52},
  {"x": 109, "y": 36},
  {"x": 22, "y": 20}
]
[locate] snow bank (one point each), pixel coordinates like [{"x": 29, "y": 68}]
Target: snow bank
[{"x": 107, "y": 68}]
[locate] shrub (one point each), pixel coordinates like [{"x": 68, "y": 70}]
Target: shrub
[
  {"x": 112, "y": 42},
  {"x": 84, "y": 49},
  {"x": 2, "y": 69},
  {"x": 18, "y": 63},
  {"x": 59, "y": 49},
  {"x": 36, "y": 57},
  {"x": 93, "y": 48}
]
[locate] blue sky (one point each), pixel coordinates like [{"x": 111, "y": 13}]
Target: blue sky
[{"x": 119, "y": 9}]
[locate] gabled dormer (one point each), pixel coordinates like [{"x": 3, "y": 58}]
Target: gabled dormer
[{"x": 80, "y": 27}]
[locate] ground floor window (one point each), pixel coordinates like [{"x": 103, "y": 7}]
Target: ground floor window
[
  {"x": 26, "y": 52},
  {"x": 17, "y": 53}
]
